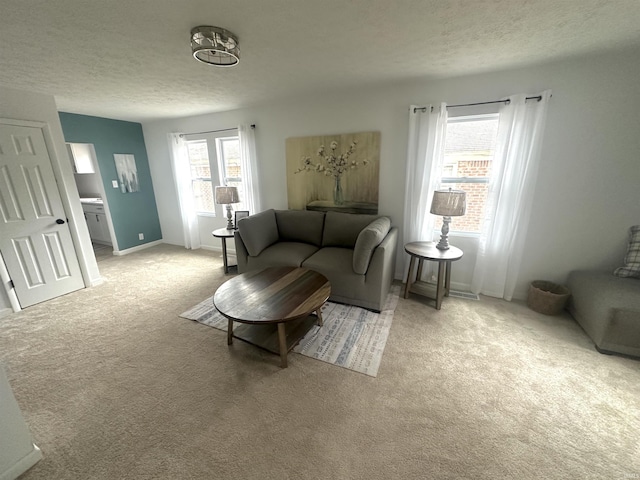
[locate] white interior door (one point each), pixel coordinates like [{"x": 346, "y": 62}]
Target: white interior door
[{"x": 34, "y": 239}]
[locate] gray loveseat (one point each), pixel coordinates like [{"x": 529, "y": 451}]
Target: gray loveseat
[
  {"x": 355, "y": 252},
  {"x": 608, "y": 309}
]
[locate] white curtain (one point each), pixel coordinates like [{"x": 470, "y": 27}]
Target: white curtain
[
  {"x": 249, "y": 165},
  {"x": 182, "y": 178},
  {"x": 511, "y": 188},
  {"x": 425, "y": 157}
]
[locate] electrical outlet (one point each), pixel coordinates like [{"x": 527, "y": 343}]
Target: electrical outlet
[
  {"x": 141, "y": 236},
  {"x": 114, "y": 183}
]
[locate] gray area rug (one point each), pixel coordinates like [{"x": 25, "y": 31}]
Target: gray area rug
[{"x": 350, "y": 337}]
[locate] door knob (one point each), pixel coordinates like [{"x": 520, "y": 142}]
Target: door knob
[{"x": 60, "y": 221}]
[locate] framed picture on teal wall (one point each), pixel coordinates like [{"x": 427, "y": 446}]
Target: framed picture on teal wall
[{"x": 127, "y": 172}]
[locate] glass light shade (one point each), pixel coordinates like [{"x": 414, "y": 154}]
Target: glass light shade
[
  {"x": 227, "y": 195},
  {"x": 449, "y": 203},
  {"x": 215, "y": 46}
]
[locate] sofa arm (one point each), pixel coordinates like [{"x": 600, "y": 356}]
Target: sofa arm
[
  {"x": 383, "y": 263},
  {"x": 368, "y": 239},
  {"x": 241, "y": 252}
]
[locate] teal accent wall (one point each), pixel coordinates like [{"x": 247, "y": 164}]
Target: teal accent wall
[{"x": 131, "y": 213}]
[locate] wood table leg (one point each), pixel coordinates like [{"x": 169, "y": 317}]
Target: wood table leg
[
  {"x": 224, "y": 255},
  {"x": 440, "y": 288},
  {"x": 282, "y": 339},
  {"x": 319, "y": 315},
  {"x": 407, "y": 286},
  {"x": 419, "y": 274},
  {"x": 447, "y": 278},
  {"x": 230, "y": 332}
]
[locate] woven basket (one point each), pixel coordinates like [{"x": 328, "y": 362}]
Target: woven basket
[{"x": 547, "y": 297}]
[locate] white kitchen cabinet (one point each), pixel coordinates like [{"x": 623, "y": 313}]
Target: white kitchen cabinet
[{"x": 97, "y": 223}]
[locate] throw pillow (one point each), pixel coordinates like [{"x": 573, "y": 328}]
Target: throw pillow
[
  {"x": 342, "y": 229},
  {"x": 632, "y": 259},
  {"x": 368, "y": 239}
]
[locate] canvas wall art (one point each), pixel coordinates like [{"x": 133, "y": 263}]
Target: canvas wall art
[
  {"x": 334, "y": 172},
  {"x": 127, "y": 172}
]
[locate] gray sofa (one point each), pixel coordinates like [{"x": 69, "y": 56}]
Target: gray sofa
[
  {"x": 355, "y": 252},
  {"x": 608, "y": 309}
]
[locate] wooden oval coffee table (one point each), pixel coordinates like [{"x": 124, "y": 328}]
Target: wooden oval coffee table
[{"x": 274, "y": 305}]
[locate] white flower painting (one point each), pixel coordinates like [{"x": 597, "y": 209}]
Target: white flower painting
[
  {"x": 127, "y": 172},
  {"x": 334, "y": 172}
]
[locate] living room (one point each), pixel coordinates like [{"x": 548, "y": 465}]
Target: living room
[{"x": 585, "y": 200}]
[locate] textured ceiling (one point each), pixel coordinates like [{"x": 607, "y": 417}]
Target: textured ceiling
[{"x": 131, "y": 60}]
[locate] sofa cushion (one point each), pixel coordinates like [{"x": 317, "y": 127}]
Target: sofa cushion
[
  {"x": 300, "y": 226},
  {"x": 335, "y": 262},
  {"x": 368, "y": 239},
  {"x": 259, "y": 231},
  {"x": 285, "y": 254},
  {"x": 632, "y": 259},
  {"x": 342, "y": 229}
]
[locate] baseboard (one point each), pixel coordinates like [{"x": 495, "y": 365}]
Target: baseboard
[
  {"x": 5, "y": 311},
  {"x": 137, "y": 248},
  {"x": 209, "y": 248},
  {"x": 96, "y": 282},
  {"x": 460, "y": 287},
  {"x": 22, "y": 465}
]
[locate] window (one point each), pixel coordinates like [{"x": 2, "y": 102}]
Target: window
[
  {"x": 214, "y": 160},
  {"x": 201, "y": 184},
  {"x": 468, "y": 155},
  {"x": 230, "y": 166},
  {"x": 83, "y": 157}
]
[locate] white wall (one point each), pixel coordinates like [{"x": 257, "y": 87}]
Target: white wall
[
  {"x": 20, "y": 105},
  {"x": 587, "y": 192}
]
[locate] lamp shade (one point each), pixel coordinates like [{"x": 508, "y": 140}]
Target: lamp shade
[
  {"x": 449, "y": 203},
  {"x": 227, "y": 195}
]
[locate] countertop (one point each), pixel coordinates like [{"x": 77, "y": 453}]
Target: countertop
[{"x": 91, "y": 201}]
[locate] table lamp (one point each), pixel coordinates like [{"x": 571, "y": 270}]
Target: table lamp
[
  {"x": 447, "y": 203},
  {"x": 227, "y": 196}
]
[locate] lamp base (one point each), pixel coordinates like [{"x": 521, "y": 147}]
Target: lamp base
[
  {"x": 443, "y": 244},
  {"x": 229, "y": 218}
]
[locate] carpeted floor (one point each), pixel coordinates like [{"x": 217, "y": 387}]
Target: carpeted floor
[{"x": 114, "y": 385}]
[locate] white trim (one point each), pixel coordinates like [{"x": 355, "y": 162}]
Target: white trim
[
  {"x": 230, "y": 251},
  {"x": 11, "y": 292},
  {"x": 460, "y": 287},
  {"x": 96, "y": 282},
  {"x": 22, "y": 465},
  {"x": 137, "y": 248},
  {"x": 6, "y": 312}
]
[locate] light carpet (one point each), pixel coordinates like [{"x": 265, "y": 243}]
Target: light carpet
[
  {"x": 350, "y": 337},
  {"x": 113, "y": 385}
]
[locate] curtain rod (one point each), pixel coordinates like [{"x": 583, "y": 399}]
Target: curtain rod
[
  {"x": 506, "y": 102},
  {"x": 215, "y": 131}
]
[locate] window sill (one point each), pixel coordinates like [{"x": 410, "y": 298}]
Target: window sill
[{"x": 453, "y": 233}]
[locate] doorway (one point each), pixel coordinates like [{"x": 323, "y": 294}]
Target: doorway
[{"x": 97, "y": 215}]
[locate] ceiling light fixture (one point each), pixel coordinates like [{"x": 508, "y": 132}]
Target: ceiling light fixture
[{"x": 215, "y": 46}]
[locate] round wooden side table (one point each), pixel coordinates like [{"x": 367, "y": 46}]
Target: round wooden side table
[
  {"x": 223, "y": 234},
  {"x": 428, "y": 251}
]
